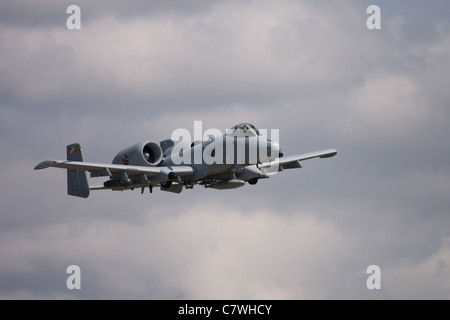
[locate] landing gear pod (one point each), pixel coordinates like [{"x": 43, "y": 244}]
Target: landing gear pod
[{"x": 230, "y": 184}]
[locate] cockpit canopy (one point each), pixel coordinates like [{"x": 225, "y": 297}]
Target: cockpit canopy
[{"x": 243, "y": 130}]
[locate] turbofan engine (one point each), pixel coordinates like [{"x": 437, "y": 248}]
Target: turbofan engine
[{"x": 142, "y": 154}]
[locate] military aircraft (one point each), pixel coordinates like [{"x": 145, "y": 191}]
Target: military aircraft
[{"x": 228, "y": 161}]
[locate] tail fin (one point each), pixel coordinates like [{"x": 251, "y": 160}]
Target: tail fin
[{"x": 77, "y": 184}]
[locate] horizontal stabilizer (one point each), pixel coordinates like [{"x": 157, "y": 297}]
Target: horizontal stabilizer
[{"x": 45, "y": 164}]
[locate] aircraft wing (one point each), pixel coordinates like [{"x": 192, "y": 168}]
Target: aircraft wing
[
  {"x": 292, "y": 162},
  {"x": 100, "y": 169}
]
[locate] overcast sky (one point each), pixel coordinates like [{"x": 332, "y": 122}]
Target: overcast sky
[{"x": 140, "y": 69}]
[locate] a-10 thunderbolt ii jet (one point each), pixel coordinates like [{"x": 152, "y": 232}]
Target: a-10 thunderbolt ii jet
[{"x": 224, "y": 162}]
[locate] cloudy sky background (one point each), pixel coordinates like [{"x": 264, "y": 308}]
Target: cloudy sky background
[{"x": 137, "y": 70}]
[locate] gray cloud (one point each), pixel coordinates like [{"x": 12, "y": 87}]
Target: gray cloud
[{"x": 314, "y": 71}]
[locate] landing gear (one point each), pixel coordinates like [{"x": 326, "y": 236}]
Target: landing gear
[
  {"x": 166, "y": 185},
  {"x": 150, "y": 188},
  {"x": 253, "y": 181},
  {"x": 189, "y": 185}
]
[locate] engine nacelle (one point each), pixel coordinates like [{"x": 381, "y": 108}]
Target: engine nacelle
[{"x": 142, "y": 154}]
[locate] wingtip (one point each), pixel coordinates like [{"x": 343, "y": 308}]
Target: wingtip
[
  {"x": 329, "y": 154},
  {"x": 44, "y": 164}
]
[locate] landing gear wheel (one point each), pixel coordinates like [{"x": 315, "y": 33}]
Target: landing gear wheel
[
  {"x": 166, "y": 185},
  {"x": 253, "y": 181}
]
